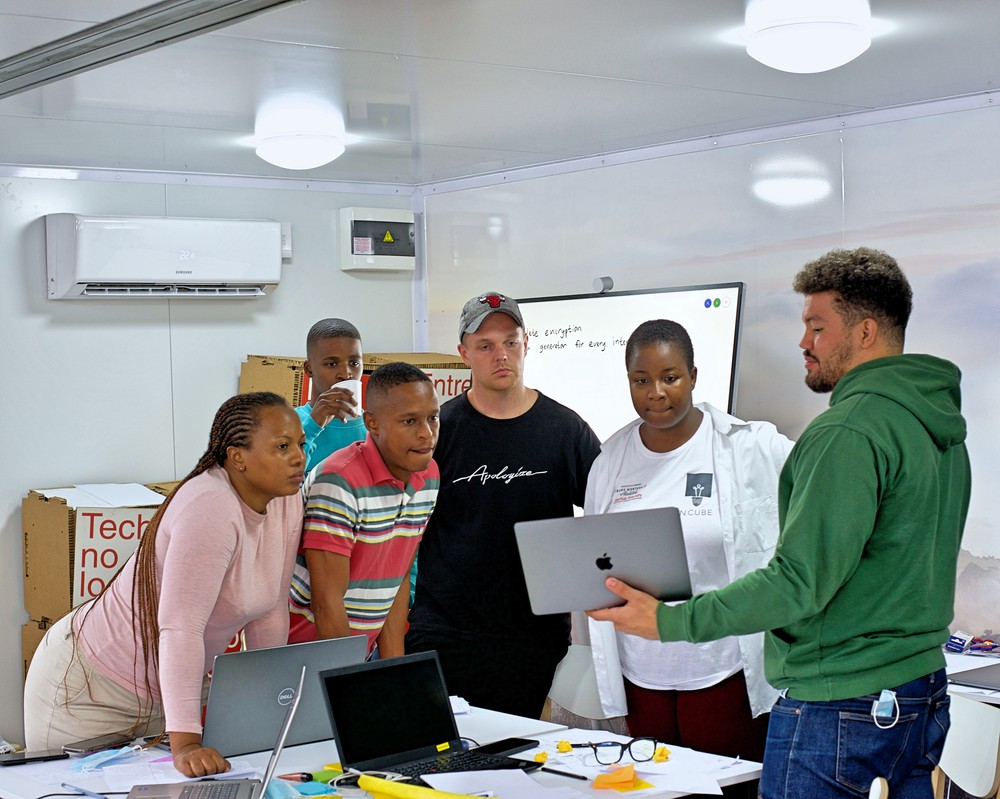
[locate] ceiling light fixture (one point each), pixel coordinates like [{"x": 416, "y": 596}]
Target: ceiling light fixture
[
  {"x": 790, "y": 181},
  {"x": 299, "y": 133},
  {"x": 807, "y": 36}
]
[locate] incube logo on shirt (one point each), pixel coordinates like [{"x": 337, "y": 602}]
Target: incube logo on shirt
[{"x": 699, "y": 485}]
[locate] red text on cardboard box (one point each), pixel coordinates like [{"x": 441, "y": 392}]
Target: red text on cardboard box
[{"x": 105, "y": 537}]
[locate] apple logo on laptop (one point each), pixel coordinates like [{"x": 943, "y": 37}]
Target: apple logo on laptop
[{"x": 604, "y": 562}]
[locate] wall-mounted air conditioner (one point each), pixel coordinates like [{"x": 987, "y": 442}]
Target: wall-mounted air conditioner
[{"x": 143, "y": 256}]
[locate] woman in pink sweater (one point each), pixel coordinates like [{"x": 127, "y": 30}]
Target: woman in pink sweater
[{"x": 217, "y": 557}]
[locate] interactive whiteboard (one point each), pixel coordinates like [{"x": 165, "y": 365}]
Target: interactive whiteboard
[{"x": 576, "y": 349}]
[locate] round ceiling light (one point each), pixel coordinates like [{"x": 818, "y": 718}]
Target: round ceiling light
[
  {"x": 299, "y": 150},
  {"x": 790, "y": 181},
  {"x": 299, "y": 134},
  {"x": 806, "y": 36}
]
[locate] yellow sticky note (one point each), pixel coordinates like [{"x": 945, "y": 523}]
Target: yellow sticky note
[
  {"x": 541, "y": 757},
  {"x": 661, "y": 755},
  {"x": 638, "y": 784},
  {"x": 564, "y": 746}
]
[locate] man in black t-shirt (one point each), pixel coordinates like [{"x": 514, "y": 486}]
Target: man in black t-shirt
[{"x": 507, "y": 453}]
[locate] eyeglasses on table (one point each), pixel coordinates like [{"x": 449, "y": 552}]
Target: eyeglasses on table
[{"x": 609, "y": 752}]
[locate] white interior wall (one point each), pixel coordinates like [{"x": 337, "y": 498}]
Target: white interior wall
[
  {"x": 921, "y": 189},
  {"x": 125, "y": 390}
]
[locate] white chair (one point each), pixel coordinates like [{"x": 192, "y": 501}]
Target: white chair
[
  {"x": 574, "y": 685},
  {"x": 971, "y": 756}
]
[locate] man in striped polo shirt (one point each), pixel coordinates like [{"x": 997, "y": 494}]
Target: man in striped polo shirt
[{"x": 366, "y": 509}]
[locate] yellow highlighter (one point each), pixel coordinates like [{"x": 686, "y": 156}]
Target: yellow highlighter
[{"x": 386, "y": 789}]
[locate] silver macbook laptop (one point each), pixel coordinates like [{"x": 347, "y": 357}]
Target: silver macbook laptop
[
  {"x": 250, "y": 692},
  {"x": 986, "y": 677},
  {"x": 395, "y": 715},
  {"x": 229, "y": 789},
  {"x": 567, "y": 560}
]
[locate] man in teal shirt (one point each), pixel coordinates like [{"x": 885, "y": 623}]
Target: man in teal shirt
[
  {"x": 333, "y": 418},
  {"x": 859, "y": 594}
]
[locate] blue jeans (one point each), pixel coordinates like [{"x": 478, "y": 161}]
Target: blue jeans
[{"x": 835, "y": 749}]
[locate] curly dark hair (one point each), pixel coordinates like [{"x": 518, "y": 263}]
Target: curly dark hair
[
  {"x": 867, "y": 282},
  {"x": 660, "y": 331}
]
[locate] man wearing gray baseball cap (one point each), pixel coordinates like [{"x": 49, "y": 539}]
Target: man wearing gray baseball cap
[{"x": 507, "y": 453}]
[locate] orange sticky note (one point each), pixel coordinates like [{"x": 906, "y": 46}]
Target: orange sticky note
[
  {"x": 621, "y": 779},
  {"x": 621, "y": 775}
]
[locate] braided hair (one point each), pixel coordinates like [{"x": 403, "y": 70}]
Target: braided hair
[{"x": 234, "y": 424}]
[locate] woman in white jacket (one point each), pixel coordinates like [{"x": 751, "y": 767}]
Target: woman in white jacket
[{"x": 722, "y": 474}]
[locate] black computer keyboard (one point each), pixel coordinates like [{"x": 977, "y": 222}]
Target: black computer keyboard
[{"x": 454, "y": 761}]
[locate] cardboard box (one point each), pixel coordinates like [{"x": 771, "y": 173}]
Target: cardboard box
[
  {"x": 72, "y": 550},
  {"x": 31, "y": 637},
  {"x": 287, "y": 377},
  {"x": 283, "y": 376}
]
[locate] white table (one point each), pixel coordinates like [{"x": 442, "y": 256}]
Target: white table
[
  {"x": 956, "y": 663},
  {"x": 479, "y": 724}
]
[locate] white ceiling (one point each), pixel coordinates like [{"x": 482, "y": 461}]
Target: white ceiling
[{"x": 442, "y": 89}]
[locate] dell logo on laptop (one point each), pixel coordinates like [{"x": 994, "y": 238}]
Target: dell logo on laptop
[{"x": 286, "y": 696}]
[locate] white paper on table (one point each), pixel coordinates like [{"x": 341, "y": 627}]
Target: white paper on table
[
  {"x": 459, "y": 706},
  {"x": 510, "y": 782},
  {"x": 56, "y": 772},
  {"x": 681, "y": 781},
  {"x": 968, "y": 689},
  {"x": 686, "y": 771}
]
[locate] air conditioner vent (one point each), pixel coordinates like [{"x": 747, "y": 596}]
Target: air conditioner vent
[{"x": 161, "y": 291}]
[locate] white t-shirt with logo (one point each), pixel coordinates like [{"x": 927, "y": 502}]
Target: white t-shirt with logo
[{"x": 682, "y": 478}]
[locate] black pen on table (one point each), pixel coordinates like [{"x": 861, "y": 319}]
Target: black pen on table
[
  {"x": 84, "y": 791},
  {"x": 565, "y": 773}
]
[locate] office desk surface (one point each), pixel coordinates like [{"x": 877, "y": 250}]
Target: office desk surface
[
  {"x": 480, "y": 725},
  {"x": 956, "y": 663}
]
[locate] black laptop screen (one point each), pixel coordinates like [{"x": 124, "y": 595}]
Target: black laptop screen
[{"x": 394, "y": 709}]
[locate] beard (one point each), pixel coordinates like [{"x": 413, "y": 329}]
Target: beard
[{"x": 829, "y": 371}]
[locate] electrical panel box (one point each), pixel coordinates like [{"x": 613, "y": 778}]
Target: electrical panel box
[{"x": 377, "y": 239}]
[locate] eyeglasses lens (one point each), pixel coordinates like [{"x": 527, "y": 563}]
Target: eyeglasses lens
[
  {"x": 642, "y": 749},
  {"x": 608, "y": 752}
]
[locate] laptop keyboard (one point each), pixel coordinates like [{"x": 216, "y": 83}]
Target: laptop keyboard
[
  {"x": 214, "y": 789},
  {"x": 455, "y": 761}
]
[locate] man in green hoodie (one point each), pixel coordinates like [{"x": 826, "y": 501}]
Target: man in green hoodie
[{"x": 860, "y": 591}]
